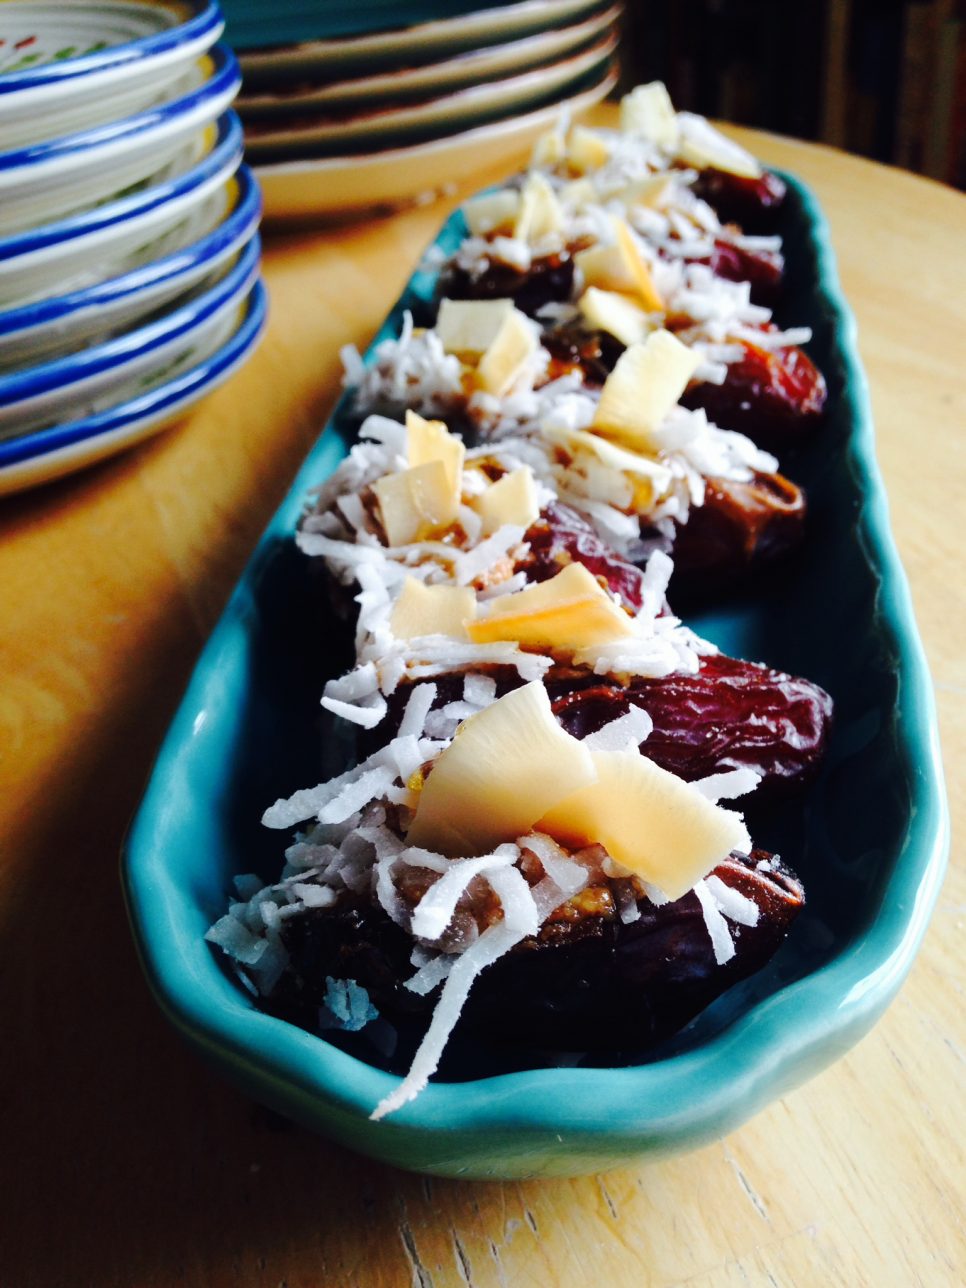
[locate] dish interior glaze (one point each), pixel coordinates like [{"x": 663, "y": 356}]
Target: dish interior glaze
[{"x": 869, "y": 842}]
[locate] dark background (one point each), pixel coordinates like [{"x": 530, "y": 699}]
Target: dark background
[{"x": 884, "y": 78}]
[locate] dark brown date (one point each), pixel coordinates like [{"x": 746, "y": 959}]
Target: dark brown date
[
  {"x": 753, "y": 204},
  {"x": 730, "y": 713},
  {"x": 774, "y": 396},
  {"x": 547, "y": 280},
  {"x": 592, "y": 353},
  {"x": 561, "y": 536},
  {"x": 598, "y": 984},
  {"x": 764, "y": 269},
  {"x": 586, "y": 981},
  {"x": 740, "y": 530}
]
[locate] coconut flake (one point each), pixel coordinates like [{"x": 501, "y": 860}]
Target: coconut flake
[
  {"x": 480, "y": 690},
  {"x": 234, "y": 938},
  {"x": 420, "y": 701},
  {"x": 367, "y": 715},
  {"x": 627, "y": 906},
  {"x": 314, "y": 896},
  {"x": 472, "y": 563},
  {"x": 431, "y": 973},
  {"x": 360, "y": 682},
  {"x": 721, "y": 941},
  {"x": 732, "y": 903},
  {"x": 346, "y": 1006},
  {"x": 351, "y": 798},
  {"x": 459, "y": 710},
  {"x": 516, "y": 899},
  {"x": 435, "y": 910},
  {"x": 654, "y": 583},
  {"x": 729, "y": 784},
  {"x": 626, "y": 733},
  {"x": 495, "y": 942},
  {"x": 407, "y": 756}
]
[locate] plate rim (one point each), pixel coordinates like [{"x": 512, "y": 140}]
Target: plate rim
[
  {"x": 60, "y": 375},
  {"x": 224, "y": 77},
  {"x": 206, "y": 16},
  {"x": 228, "y": 146},
  {"x": 269, "y": 104},
  {"x": 169, "y": 400},
  {"x": 233, "y": 230},
  {"x": 369, "y": 125},
  {"x": 290, "y": 55},
  {"x": 366, "y": 169}
]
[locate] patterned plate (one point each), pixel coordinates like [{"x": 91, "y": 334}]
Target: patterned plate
[
  {"x": 52, "y": 453},
  {"x": 422, "y": 43},
  {"x": 47, "y": 180},
  {"x": 306, "y": 190},
  {"x": 41, "y": 43},
  {"x": 274, "y": 140},
  {"x": 399, "y": 85}
]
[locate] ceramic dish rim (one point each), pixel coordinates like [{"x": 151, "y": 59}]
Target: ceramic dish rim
[
  {"x": 225, "y": 74},
  {"x": 369, "y": 125},
  {"x": 57, "y": 374},
  {"x": 758, "y": 1055},
  {"x": 206, "y": 16},
  {"x": 375, "y": 43},
  {"x": 240, "y": 219},
  {"x": 271, "y": 105},
  {"x": 46, "y": 442},
  {"x": 228, "y": 146},
  {"x": 319, "y": 165}
]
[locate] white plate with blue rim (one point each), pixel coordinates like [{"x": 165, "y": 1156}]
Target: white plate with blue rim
[
  {"x": 47, "y": 329},
  {"x": 52, "y": 453},
  {"x": 113, "y": 238},
  {"x": 73, "y": 64},
  {"x": 46, "y": 180},
  {"x": 93, "y": 379}
]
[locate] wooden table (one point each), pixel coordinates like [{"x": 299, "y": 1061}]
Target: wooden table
[{"x": 126, "y": 1163}]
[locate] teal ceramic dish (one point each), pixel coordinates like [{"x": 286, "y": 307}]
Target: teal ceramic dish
[{"x": 870, "y": 842}]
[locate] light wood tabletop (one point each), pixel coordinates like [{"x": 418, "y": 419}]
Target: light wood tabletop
[{"x": 125, "y": 1162}]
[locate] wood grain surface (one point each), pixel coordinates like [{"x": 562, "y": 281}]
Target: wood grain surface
[{"x": 124, "y": 1161}]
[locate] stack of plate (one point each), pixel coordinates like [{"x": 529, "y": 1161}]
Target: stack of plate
[
  {"x": 129, "y": 252},
  {"x": 345, "y": 110}
]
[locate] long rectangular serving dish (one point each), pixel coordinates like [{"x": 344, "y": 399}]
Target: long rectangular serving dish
[{"x": 870, "y": 842}]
